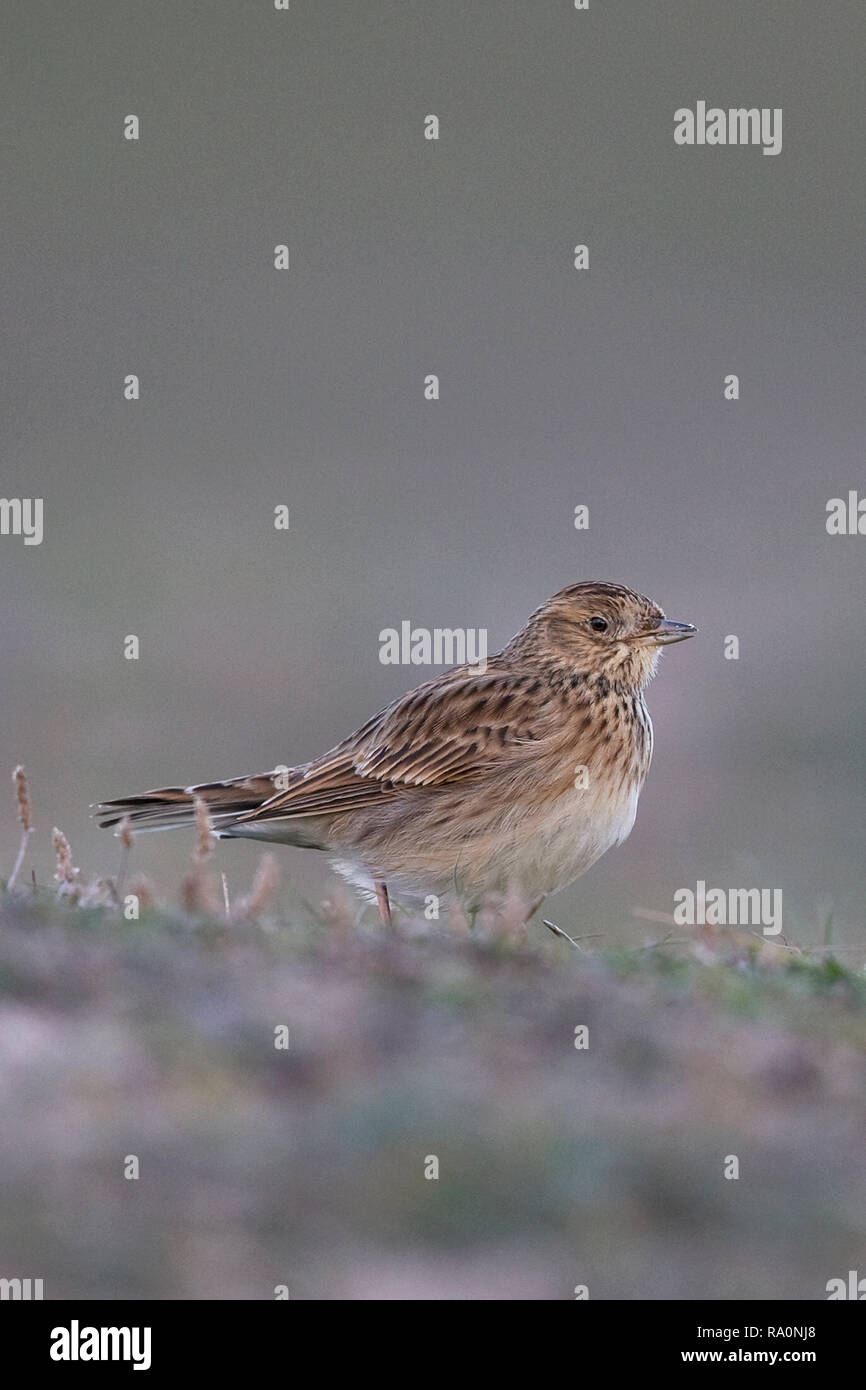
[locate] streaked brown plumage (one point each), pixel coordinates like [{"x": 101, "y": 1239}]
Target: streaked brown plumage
[{"x": 512, "y": 781}]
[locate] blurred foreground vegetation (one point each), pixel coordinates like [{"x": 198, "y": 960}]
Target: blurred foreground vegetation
[{"x": 559, "y": 1166}]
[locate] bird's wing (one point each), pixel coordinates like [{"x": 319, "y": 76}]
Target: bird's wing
[{"x": 449, "y": 730}]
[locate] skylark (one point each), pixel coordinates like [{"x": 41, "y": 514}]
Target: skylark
[{"x": 511, "y": 781}]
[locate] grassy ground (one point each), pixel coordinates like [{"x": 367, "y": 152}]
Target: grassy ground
[{"x": 305, "y": 1166}]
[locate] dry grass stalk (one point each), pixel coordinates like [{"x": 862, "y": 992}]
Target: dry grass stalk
[
  {"x": 65, "y": 873},
  {"x": 197, "y": 894},
  {"x": 19, "y": 777},
  {"x": 266, "y": 882},
  {"x": 141, "y": 887},
  {"x": 100, "y": 892},
  {"x": 557, "y": 931},
  {"x": 204, "y": 830},
  {"x": 124, "y": 835},
  {"x": 458, "y": 919},
  {"x": 502, "y": 915},
  {"x": 340, "y": 910}
]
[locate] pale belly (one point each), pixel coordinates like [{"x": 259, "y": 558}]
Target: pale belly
[
  {"x": 561, "y": 845},
  {"x": 539, "y": 853}
]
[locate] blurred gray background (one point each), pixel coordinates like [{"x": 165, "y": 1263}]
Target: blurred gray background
[{"x": 558, "y": 387}]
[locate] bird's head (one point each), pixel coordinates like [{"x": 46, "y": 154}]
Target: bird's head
[{"x": 601, "y": 629}]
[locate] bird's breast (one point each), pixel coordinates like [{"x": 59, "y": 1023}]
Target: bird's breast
[{"x": 564, "y": 840}]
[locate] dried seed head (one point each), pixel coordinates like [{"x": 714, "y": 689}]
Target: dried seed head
[
  {"x": 19, "y": 777},
  {"x": 66, "y": 874},
  {"x": 142, "y": 888},
  {"x": 339, "y": 909},
  {"x": 501, "y": 916},
  {"x": 197, "y": 894},
  {"x": 266, "y": 881},
  {"x": 100, "y": 893},
  {"x": 204, "y": 828},
  {"x": 124, "y": 832}
]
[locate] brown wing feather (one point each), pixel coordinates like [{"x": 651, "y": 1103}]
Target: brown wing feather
[{"x": 451, "y": 729}]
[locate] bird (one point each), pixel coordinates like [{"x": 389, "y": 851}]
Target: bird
[{"x": 507, "y": 777}]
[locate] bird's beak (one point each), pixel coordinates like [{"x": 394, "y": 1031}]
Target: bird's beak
[{"x": 667, "y": 633}]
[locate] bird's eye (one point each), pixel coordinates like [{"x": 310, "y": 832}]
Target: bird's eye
[{"x": 599, "y": 624}]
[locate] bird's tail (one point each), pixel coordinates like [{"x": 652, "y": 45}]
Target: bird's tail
[{"x": 167, "y": 807}]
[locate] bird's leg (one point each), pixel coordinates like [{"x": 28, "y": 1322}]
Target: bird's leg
[{"x": 384, "y": 904}]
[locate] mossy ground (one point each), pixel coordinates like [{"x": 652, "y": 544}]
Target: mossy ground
[{"x": 305, "y": 1167}]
